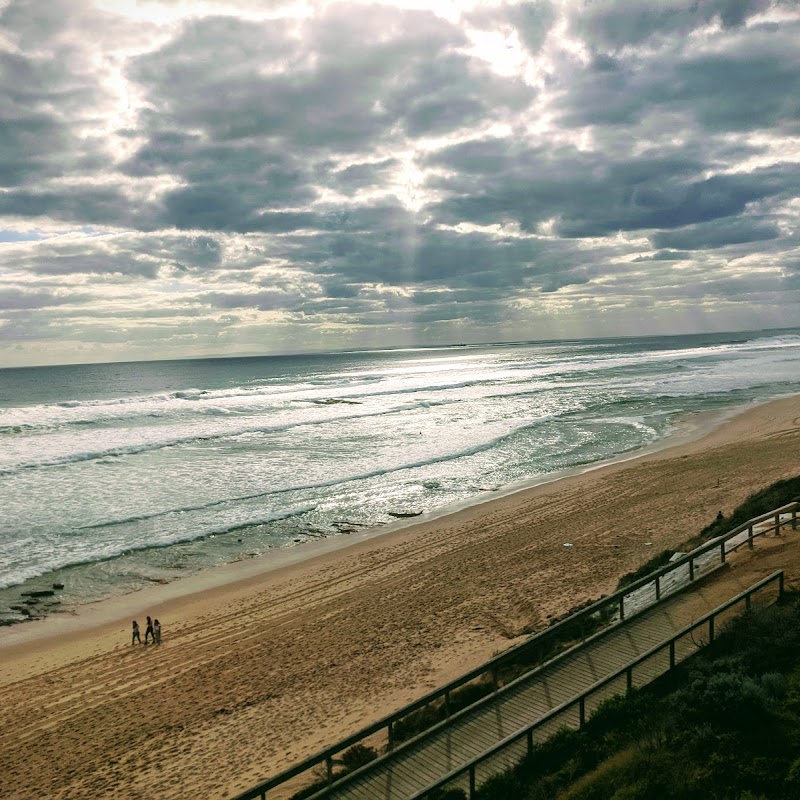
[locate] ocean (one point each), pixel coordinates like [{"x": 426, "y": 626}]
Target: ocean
[{"x": 116, "y": 476}]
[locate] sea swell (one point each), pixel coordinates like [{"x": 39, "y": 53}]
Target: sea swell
[
  {"x": 226, "y": 434},
  {"x": 113, "y": 551},
  {"x": 280, "y": 452}
]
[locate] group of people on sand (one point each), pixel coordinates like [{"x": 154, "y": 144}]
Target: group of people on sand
[{"x": 153, "y": 629}]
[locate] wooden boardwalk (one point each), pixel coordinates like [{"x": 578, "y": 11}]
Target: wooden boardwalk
[
  {"x": 413, "y": 767},
  {"x": 662, "y": 603}
]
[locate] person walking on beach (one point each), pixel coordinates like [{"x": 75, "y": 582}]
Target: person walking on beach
[
  {"x": 135, "y": 636},
  {"x": 156, "y": 631},
  {"x": 149, "y": 631}
]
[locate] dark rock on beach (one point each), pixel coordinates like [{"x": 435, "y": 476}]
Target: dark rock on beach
[{"x": 40, "y": 593}]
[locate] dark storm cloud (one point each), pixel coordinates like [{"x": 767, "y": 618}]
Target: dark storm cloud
[
  {"x": 351, "y": 179},
  {"x": 83, "y": 259},
  {"x": 219, "y": 207},
  {"x": 533, "y": 22},
  {"x": 403, "y": 72},
  {"x": 614, "y": 24},
  {"x": 202, "y": 252},
  {"x": 134, "y": 255},
  {"x": 50, "y": 100},
  {"x": 334, "y": 289},
  {"x": 90, "y": 205},
  {"x": 266, "y": 122},
  {"x": 265, "y": 300},
  {"x": 48, "y": 91},
  {"x": 425, "y": 256},
  {"x": 37, "y": 138},
  {"x": 14, "y": 299},
  {"x": 710, "y": 235},
  {"x": 591, "y": 195},
  {"x": 743, "y": 83}
]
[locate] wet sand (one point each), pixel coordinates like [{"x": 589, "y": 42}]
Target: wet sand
[{"x": 263, "y": 664}]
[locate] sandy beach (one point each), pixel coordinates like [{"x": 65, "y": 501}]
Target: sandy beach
[{"x": 264, "y": 663}]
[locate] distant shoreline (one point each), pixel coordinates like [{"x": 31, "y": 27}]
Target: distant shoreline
[{"x": 403, "y": 348}]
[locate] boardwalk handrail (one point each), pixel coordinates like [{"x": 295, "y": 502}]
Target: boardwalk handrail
[
  {"x": 580, "y": 700},
  {"x": 436, "y": 728},
  {"x": 491, "y": 667}
]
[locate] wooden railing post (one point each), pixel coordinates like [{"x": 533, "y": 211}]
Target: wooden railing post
[
  {"x": 471, "y": 781},
  {"x": 447, "y": 703},
  {"x": 747, "y": 601},
  {"x": 722, "y": 553},
  {"x": 691, "y": 569},
  {"x": 794, "y": 518},
  {"x": 629, "y": 677},
  {"x": 530, "y": 741},
  {"x": 750, "y": 536},
  {"x": 329, "y": 768},
  {"x": 780, "y": 585},
  {"x": 622, "y": 606},
  {"x": 582, "y": 711},
  {"x": 672, "y": 654},
  {"x": 390, "y": 744},
  {"x": 777, "y": 524}
]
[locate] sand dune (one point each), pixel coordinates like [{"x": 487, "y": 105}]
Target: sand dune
[{"x": 260, "y": 672}]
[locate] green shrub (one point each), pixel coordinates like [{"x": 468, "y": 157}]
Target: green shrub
[
  {"x": 353, "y": 758},
  {"x": 501, "y": 787},
  {"x": 774, "y": 496},
  {"x": 448, "y": 794},
  {"x": 357, "y": 756},
  {"x": 426, "y": 717}
]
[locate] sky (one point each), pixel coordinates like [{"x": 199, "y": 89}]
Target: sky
[{"x": 180, "y": 179}]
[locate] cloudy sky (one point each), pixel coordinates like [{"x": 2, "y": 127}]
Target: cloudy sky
[{"x": 255, "y": 176}]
